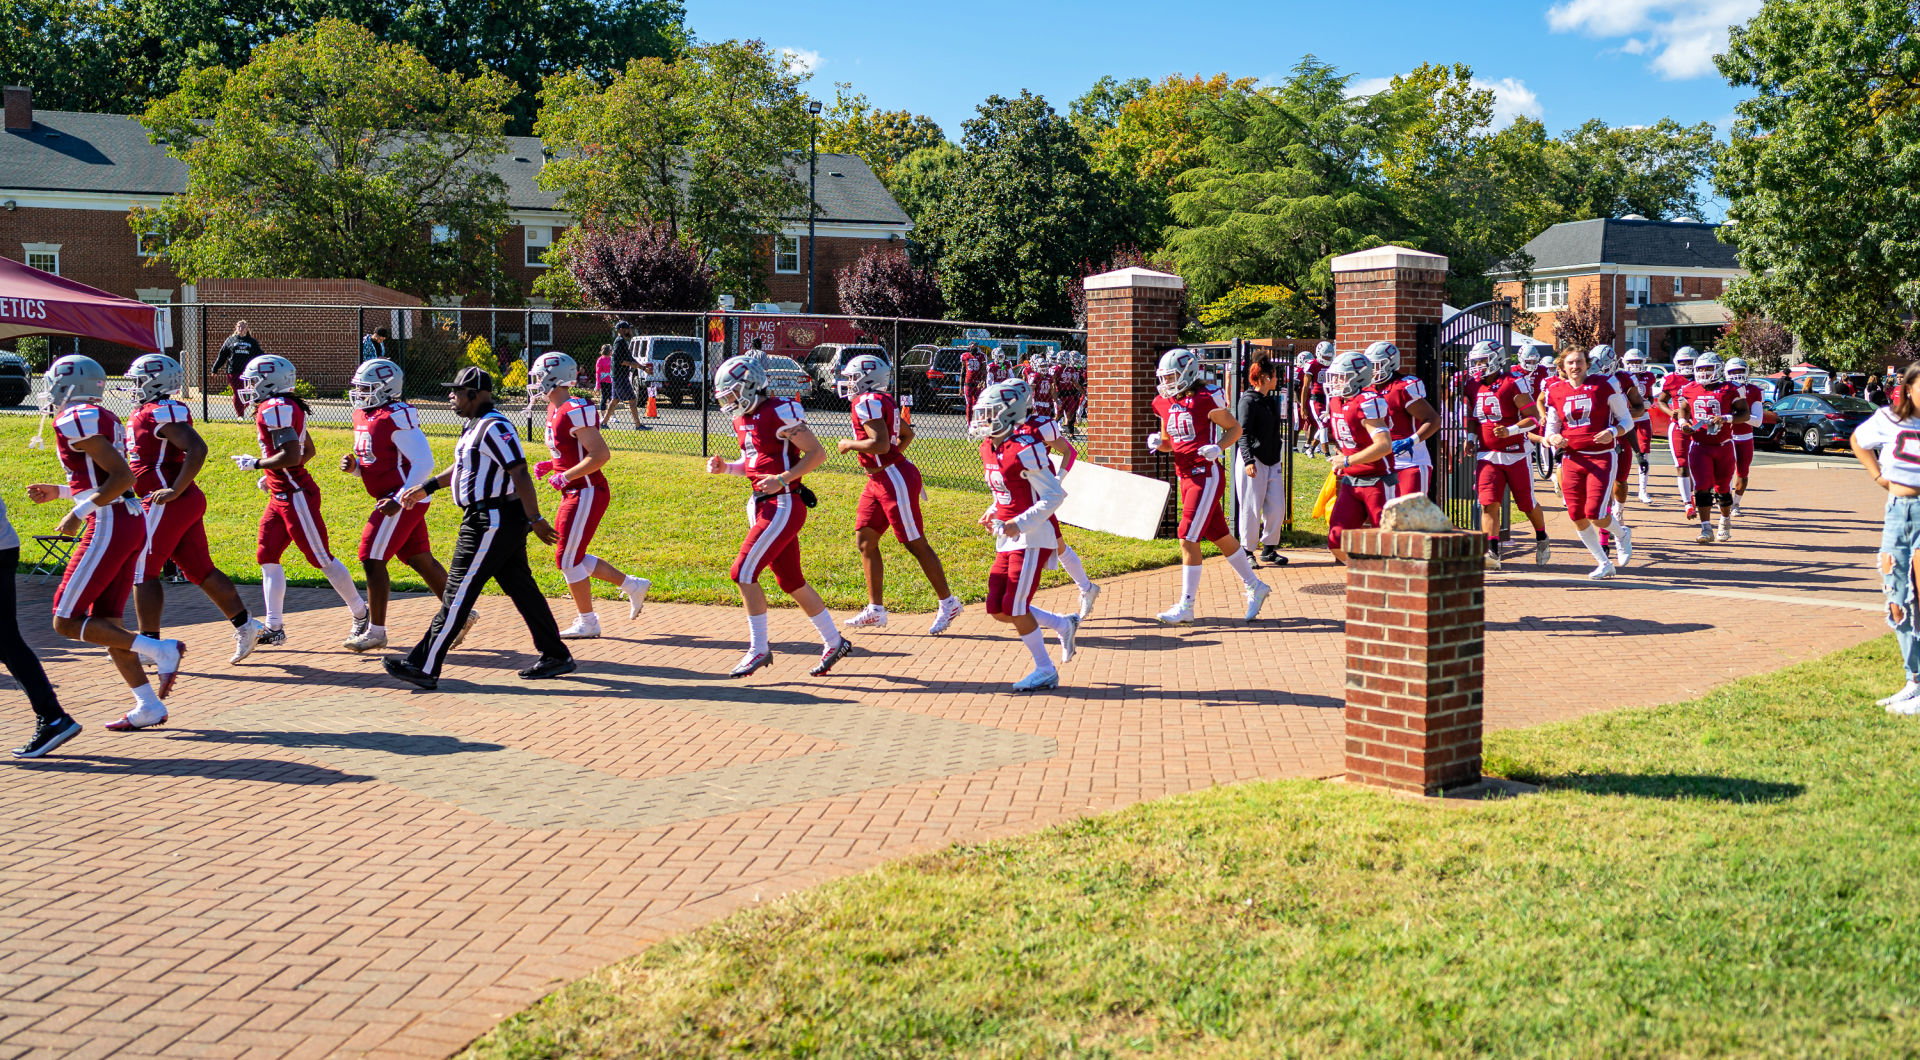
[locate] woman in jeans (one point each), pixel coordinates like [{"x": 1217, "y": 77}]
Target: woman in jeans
[
  {"x": 54, "y": 727},
  {"x": 1887, "y": 444}
]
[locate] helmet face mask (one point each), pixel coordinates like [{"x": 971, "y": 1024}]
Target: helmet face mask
[
  {"x": 155, "y": 376},
  {"x": 1736, "y": 371},
  {"x": 1324, "y": 353},
  {"x": 1350, "y": 374},
  {"x": 1000, "y": 410},
  {"x": 266, "y": 376},
  {"x": 740, "y": 386},
  {"x": 1178, "y": 372},
  {"x": 1385, "y": 357},
  {"x": 1683, "y": 359},
  {"x": 1634, "y": 360},
  {"x": 375, "y": 383},
  {"x": 1706, "y": 369},
  {"x": 1601, "y": 360},
  {"x": 864, "y": 374}
]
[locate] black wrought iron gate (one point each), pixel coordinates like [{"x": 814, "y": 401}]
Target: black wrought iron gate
[{"x": 1443, "y": 369}]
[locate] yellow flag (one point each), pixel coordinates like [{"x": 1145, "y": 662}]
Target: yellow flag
[{"x": 1324, "y": 505}]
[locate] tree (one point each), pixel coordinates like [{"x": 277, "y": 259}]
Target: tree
[
  {"x": 332, "y": 155},
  {"x": 1256, "y": 311},
  {"x": 1762, "y": 342},
  {"x": 702, "y": 146},
  {"x": 882, "y": 138},
  {"x": 1025, "y": 208},
  {"x": 1585, "y": 323},
  {"x": 882, "y": 282},
  {"x": 1096, "y": 111},
  {"x": 1654, "y": 170},
  {"x": 1124, "y": 257},
  {"x": 1156, "y": 135},
  {"x": 1820, "y": 170},
  {"x": 923, "y": 178},
  {"x": 636, "y": 267}
]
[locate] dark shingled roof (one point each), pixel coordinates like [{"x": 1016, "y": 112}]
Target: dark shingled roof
[
  {"x": 110, "y": 154},
  {"x": 1611, "y": 241}
]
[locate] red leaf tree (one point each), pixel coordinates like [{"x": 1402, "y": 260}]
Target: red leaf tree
[
  {"x": 1584, "y": 324},
  {"x": 638, "y": 268},
  {"x": 883, "y": 283},
  {"x": 1124, "y": 257}
]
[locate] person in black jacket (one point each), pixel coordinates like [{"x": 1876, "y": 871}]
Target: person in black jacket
[
  {"x": 1260, "y": 483},
  {"x": 239, "y": 348}
]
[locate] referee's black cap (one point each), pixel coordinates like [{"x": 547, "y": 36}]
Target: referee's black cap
[
  {"x": 623, "y": 326},
  {"x": 472, "y": 378}
]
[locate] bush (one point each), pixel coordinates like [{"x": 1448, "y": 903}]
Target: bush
[
  {"x": 37, "y": 349},
  {"x": 479, "y": 354},
  {"x": 637, "y": 268},
  {"x": 884, "y": 283},
  {"x": 303, "y": 389},
  {"x": 516, "y": 377}
]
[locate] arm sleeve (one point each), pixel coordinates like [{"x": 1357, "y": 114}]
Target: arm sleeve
[
  {"x": 413, "y": 446},
  {"x": 1048, "y": 493},
  {"x": 1553, "y": 422},
  {"x": 1622, "y": 412}
]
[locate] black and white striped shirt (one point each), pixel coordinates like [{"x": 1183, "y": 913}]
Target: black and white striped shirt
[{"x": 483, "y": 460}]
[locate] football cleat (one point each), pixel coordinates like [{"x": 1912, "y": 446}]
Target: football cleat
[
  {"x": 272, "y": 637},
  {"x": 168, "y": 666},
  {"x": 473, "y": 619},
  {"x": 1180, "y": 614},
  {"x": 750, "y": 662},
  {"x": 134, "y": 721},
  {"x": 1623, "y": 545},
  {"x": 365, "y": 642},
  {"x": 1066, "y": 638},
  {"x": 1493, "y": 560},
  {"x": 47, "y": 736},
  {"x": 872, "y": 616},
  {"x": 246, "y": 638},
  {"x": 1706, "y": 535},
  {"x": 1037, "y": 681},
  {"x": 361, "y": 624},
  {"x": 1602, "y": 572},
  {"x": 829, "y": 656},
  {"x": 1645, "y": 497},
  {"x": 1257, "y": 594},
  {"x": 1542, "y": 551},
  {"x": 585, "y": 627},
  {"x": 1087, "y": 596},
  {"x": 946, "y": 616},
  {"x": 1723, "y": 532},
  {"x": 1909, "y": 691},
  {"x": 635, "y": 590}
]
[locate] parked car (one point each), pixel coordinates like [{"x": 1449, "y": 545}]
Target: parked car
[
  {"x": 933, "y": 375},
  {"x": 787, "y": 379},
  {"x": 1815, "y": 421},
  {"x": 677, "y": 366},
  {"x": 825, "y": 361},
  {"x": 16, "y": 379}
]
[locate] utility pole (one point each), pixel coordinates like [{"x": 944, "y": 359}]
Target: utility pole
[{"x": 813, "y": 139}]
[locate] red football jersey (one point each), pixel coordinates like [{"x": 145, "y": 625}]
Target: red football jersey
[
  {"x": 1349, "y": 416},
  {"x": 156, "y": 462},
  {"x": 1752, "y": 395},
  {"x": 1583, "y": 410},
  {"x": 1646, "y": 384},
  {"x": 383, "y": 468},
  {"x": 1672, "y": 383},
  {"x": 562, "y": 420},
  {"x": 1699, "y": 403},
  {"x": 998, "y": 372},
  {"x": 1188, "y": 424},
  {"x": 882, "y": 407},
  {"x": 1314, "y": 378},
  {"x": 1399, "y": 394},
  {"x": 270, "y": 417},
  {"x": 75, "y": 423},
  {"x": 763, "y": 437},
  {"x": 1006, "y": 466},
  {"x": 1498, "y": 405},
  {"x": 1043, "y": 384}
]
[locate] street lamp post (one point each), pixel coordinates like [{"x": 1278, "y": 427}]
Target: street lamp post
[{"x": 813, "y": 137}]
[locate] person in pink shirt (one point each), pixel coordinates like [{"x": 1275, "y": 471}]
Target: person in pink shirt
[{"x": 603, "y": 376}]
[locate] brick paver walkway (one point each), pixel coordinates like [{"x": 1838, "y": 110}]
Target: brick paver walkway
[{"x": 311, "y": 861}]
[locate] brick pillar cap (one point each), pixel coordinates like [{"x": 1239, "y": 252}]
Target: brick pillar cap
[
  {"x": 1135, "y": 276},
  {"x": 1403, "y": 544},
  {"x": 1389, "y": 258}
]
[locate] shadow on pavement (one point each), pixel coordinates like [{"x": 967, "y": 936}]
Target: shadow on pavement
[
  {"x": 1671, "y": 786},
  {"x": 267, "y": 770}
]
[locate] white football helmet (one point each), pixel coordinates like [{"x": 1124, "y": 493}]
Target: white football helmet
[
  {"x": 1496, "y": 361},
  {"x": 375, "y": 383},
  {"x": 1000, "y": 411},
  {"x": 1305, "y": 358},
  {"x": 550, "y": 371},
  {"x": 741, "y": 385},
  {"x": 1477, "y": 358},
  {"x": 74, "y": 378},
  {"x": 1000, "y": 355},
  {"x": 1601, "y": 360},
  {"x": 1683, "y": 359},
  {"x": 1706, "y": 368},
  {"x": 863, "y": 374},
  {"x": 1633, "y": 360},
  {"x": 1178, "y": 373},
  {"x": 1350, "y": 374},
  {"x": 1736, "y": 371},
  {"x": 266, "y": 376},
  {"x": 1530, "y": 356},
  {"x": 154, "y": 376},
  {"x": 1324, "y": 353},
  {"x": 1386, "y": 362}
]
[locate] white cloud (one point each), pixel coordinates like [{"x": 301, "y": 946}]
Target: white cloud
[
  {"x": 1511, "y": 99},
  {"x": 802, "y": 61},
  {"x": 1367, "y": 86},
  {"x": 1682, "y": 36}
]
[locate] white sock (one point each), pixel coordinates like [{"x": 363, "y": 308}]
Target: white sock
[
  {"x": 1037, "y": 644},
  {"x": 1643, "y": 478},
  {"x": 757, "y": 632},
  {"x": 1189, "y": 584},
  {"x": 146, "y": 701},
  {"x": 146, "y": 647},
  {"x": 1070, "y": 562},
  {"x": 273, "y": 588},
  {"x": 342, "y": 581},
  {"x": 1049, "y": 620},
  {"x": 951, "y": 603},
  {"x": 1241, "y": 566},
  {"x": 1686, "y": 487},
  {"x": 829, "y": 633},
  {"x": 376, "y": 631},
  {"x": 1619, "y": 514},
  {"x": 1590, "y": 537}
]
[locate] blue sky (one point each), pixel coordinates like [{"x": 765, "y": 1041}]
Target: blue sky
[{"x": 1627, "y": 61}]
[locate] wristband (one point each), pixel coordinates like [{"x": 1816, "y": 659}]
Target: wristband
[
  {"x": 66, "y": 491},
  {"x": 84, "y": 509},
  {"x": 429, "y": 486}
]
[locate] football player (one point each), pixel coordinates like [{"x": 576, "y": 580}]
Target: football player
[
  {"x": 1042, "y": 383},
  {"x": 1709, "y": 407},
  {"x": 390, "y": 453},
  {"x": 1667, "y": 401},
  {"x": 1737, "y": 373},
  {"x": 1500, "y": 413},
  {"x": 1000, "y": 366},
  {"x": 892, "y": 496},
  {"x": 1073, "y": 390},
  {"x": 973, "y": 374},
  {"x": 166, "y": 454},
  {"x": 1586, "y": 414},
  {"x": 1644, "y": 383},
  {"x": 293, "y": 510},
  {"x": 1358, "y": 417},
  {"x": 1196, "y": 429},
  {"x": 1025, "y": 495},
  {"x": 1313, "y": 394},
  {"x": 1410, "y": 419},
  {"x": 1302, "y": 420},
  {"x": 1601, "y": 360},
  {"x": 578, "y": 452},
  {"x": 1051, "y": 436},
  {"x": 93, "y": 592},
  {"x": 777, "y": 449}
]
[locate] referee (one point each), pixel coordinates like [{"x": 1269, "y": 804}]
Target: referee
[{"x": 499, "y": 504}]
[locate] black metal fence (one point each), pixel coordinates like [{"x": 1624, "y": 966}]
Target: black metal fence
[{"x": 1443, "y": 364}]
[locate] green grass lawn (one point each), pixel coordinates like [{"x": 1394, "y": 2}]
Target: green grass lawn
[
  {"x": 669, "y": 521},
  {"x": 1735, "y": 876}
]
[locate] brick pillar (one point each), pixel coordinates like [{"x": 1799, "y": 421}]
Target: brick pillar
[
  {"x": 1415, "y": 632},
  {"x": 1383, "y": 294},
  {"x": 1133, "y": 316}
]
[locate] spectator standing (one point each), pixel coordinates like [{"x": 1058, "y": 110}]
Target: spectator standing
[
  {"x": 240, "y": 348},
  {"x": 626, "y": 365},
  {"x": 1876, "y": 392},
  {"x": 1897, "y": 471},
  {"x": 603, "y": 376},
  {"x": 378, "y": 345},
  {"x": 1260, "y": 487}
]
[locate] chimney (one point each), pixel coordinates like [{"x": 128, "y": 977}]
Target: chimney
[{"x": 19, "y": 108}]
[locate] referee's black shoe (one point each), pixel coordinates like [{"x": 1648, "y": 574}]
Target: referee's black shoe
[
  {"x": 550, "y": 666},
  {"x": 47, "y": 736},
  {"x": 398, "y": 666}
]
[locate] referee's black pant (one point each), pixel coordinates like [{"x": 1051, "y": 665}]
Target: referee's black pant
[{"x": 492, "y": 544}]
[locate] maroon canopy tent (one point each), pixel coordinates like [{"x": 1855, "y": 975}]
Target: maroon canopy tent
[{"x": 39, "y": 303}]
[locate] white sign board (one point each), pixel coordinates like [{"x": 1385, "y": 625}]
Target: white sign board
[{"x": 1114, "y": 502}]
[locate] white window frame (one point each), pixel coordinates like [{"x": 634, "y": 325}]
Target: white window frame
[
  {"x": 141, "y": 246},
  {"x": 29, "y": 251},
  {"x": 1639, "y": 290},
  {"x": 1546, "y": 295},
  {"x": 779, "y": 242},
  {"x": 537, "y": 239},
  {"x": 1678, "y": 291},
  {"x": 539, "y": 325}
]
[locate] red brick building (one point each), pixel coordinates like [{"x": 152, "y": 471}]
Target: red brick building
[
  {"x": 67, "y": 181},
  {"x": 1658, "y": 281}
]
